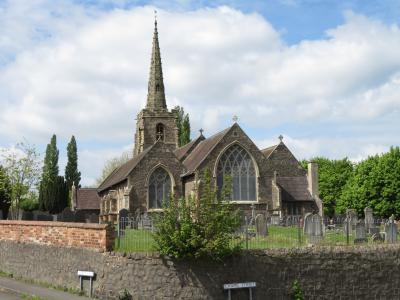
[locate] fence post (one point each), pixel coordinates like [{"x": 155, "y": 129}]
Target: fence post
[
  {"x": 247, "y": 233},
  {"x": 299, "y": 230},
  {"x": 347, "y": 229},
  {"x": 118, "y": 232}
]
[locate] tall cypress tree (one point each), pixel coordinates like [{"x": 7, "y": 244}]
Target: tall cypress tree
[
  {"x": 183, "y": 125},
  {"x": 72, "y": 176}
]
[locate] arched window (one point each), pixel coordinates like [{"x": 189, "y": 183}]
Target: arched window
[
  {"x": 236, "y": 163},
  {"x": 159, "y": 188},
  {"x": 160, "y": 132}
]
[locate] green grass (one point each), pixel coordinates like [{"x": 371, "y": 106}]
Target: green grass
[{"x": 136, "y": 240}]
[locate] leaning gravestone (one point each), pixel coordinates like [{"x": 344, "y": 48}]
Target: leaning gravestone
[
  {"x": 391, "y": 231},
  {"x": 261, "y": 225},
  {"x": 67, "y": 215},
  {"x": 361, "y": 233},
  {"x": 80, "y": 216},
  {"x": 369, "y": 218},
  {"x": 313, "y": 228}
]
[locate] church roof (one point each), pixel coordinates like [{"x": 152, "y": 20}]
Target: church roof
[
  {"x": 196, "y": 157},
  {"x": 294, "y": 188},
  {"x": 120, "y": 174},
  {"x": 184, "y": 151},
  {"x": 267, "y": 151}
]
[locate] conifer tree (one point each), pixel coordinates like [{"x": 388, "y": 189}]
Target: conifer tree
[
  {"x": 72, "y": 176},
  {"x": 183, "y": 125},
  {"x": 5, "y": 192}
]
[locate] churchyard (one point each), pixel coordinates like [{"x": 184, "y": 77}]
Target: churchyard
[{"x": 136, "y": 234}]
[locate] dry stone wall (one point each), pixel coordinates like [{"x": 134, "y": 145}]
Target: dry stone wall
[{"x": 323, "y": 273}]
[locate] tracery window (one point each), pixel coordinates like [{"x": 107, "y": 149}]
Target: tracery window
[
  {"x": 236, "y": 163},
  {"x": 159, "y": 188},
  {"x": 160, "y": 132}
]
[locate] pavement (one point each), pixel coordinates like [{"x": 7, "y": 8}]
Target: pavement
[{"x": 11, "y": 289}]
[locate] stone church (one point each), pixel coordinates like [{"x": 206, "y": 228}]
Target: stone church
[{"x": 270, "y": 180}]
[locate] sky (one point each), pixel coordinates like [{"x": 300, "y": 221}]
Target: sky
[{"x": 324, "y": 74}]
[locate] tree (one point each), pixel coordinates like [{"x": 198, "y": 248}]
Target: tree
[
  {"x": 375, "y": 184},
  {"x": 189, "y": 228},
  {"x": 72, "y": 175},
  {"x": 333, "y": 176},
  {"x": 53, "y": 190},
  {"x": 111, "y": 164},
  {"x": 183, "y": 125},
  {"x": 5, "y": 192},
  {"x": 21, "y": 164}
]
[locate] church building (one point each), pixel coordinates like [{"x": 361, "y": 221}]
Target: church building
[{"x": 270, "y": 180}]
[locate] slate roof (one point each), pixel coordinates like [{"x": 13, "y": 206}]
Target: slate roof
[
  {"x": 182, "y": 152},
  {"x": 294, "y": 188},
  {"x": 268, "y": 151},
  {"x": 87, "y": 198},
  {"x": 120, "y": 174},
  {"x": 195, "y": 158}
]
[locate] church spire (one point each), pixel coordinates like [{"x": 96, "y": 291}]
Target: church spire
[{"x": 156, "y": 94}]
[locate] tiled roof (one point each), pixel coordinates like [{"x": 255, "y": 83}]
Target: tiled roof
[
  {"x": 267, "y": 151},
  {"x": 294, "y": 188},
  {"x": 194, "y": 159},
  {"x": 121, "y": 173},
  {"x": 87, "y": 198},
  {"x": 184, "y": 151}
]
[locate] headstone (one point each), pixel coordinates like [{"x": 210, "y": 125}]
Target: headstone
[
  {"x": 369, "y": 218},
  {"x": 67, "y": 215},
  {"x": 93, "y": 218},
  {"x": 261, "y": 225},
  {"x": 80, "y": 216},
  {"x": 361, "y": 233},
  {"x": 353, "y": 218},
  {"x": 27, "y": 216},
  {"x": 123, "y": 219},
  {"x": 313, "y": 228},
  {"x": 44, "y": 217},
  {"x": 391, "y": 231},
  {"x": 1, "y": 214},
  {"x": 146, "y": 222},
  {"x": 377, "y": 238},
  {"x": 373, "y": 230}
]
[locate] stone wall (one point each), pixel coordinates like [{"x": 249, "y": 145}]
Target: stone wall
[
  {"x": 81, "y": 235},
  {"x": 326, "y": 273}
]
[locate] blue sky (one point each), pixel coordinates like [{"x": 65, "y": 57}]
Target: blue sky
[{"x": 325, "y": 74}]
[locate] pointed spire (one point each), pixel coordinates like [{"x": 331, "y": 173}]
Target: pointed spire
[{"x": 156, "y": 94}]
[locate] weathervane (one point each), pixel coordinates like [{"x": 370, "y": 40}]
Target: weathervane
[{"x": 235, "y": 118}]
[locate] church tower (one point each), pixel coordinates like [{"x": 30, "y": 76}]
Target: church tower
[{"x": 155, "y": 122}]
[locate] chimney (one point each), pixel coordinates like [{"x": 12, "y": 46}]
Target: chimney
[{"x": 312, "y": 178}]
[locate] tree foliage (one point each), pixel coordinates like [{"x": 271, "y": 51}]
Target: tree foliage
[
  {"x": 72, "y": 175},
  {"x": 53, "y": 190},
  {"x": 111, "y": 164},
  {"x": 21, "y": 164},
  {"x": 375, "y": 184},
  {"x": 333, "y": 176},
  {"x": 189, "y": 228},
  {"x": 5, "y": 192},
  {"x": 183, "y": 125}
]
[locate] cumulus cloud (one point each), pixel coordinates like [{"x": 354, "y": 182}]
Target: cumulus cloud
[{"x": 70, "y": 70}]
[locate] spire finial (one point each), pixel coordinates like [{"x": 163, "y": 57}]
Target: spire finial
[
  {"x": 280, "y": 137},
  {"x": 155, "y": 18}
]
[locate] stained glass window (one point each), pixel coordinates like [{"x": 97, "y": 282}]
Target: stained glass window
[
  {"x": 159, "y": 188},
  {"x": 236, "y": 163}
]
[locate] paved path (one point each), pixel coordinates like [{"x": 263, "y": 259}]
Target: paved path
[{"x": 11, "y": 288}]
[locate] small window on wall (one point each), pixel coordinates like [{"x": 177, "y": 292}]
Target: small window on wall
[
  {"x": 159, "y": 188},
  {"x": 160, "y": 132}
]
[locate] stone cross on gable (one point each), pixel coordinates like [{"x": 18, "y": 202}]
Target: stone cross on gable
[
  {"x": 201, "y": 131},
  {"x": 280, "y": 137},
  {"x": 235, "y": 118}
]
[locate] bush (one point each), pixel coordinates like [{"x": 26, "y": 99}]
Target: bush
[
  {"x": 29, "y": 205},
  {"x": 189, "y": 228},
  {"x": 297, "y": 291}
]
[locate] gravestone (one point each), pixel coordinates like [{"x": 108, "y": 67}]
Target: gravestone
[
  {"x": 146, "y": 222},
  {"x": 313, "y": 228},
  {"x": 1, "y": 214},
  {"x": 353, "y": 218},
  {"x": 123, "y": 219},
  {"x": 369, "y": 218},
  {"x": 93, "y": 218},
  {"x": 261, "y": 225},
  {"x": 44, "y": 217},
  {"x": 27, "y": 216},
  {"x": 361, "y": 233},
  {"x": 391, "y": 231},
  {"x": 377, "y": 238},
  {"x": 67, "y": 215},
  {"x": 373, "y": 230},
  {"x": 80, "y": 216}
]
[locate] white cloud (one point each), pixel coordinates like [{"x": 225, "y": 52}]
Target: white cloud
[{"x": 75, "y": 71}]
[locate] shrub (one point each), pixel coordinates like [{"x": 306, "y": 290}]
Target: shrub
[
  {"x": 297, "y": 291},
  {"x": 29, "y": 205},
  {"x": 190, "y": 228}
]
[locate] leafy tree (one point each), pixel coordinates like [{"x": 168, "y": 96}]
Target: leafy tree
[
  {"x": 111, "y": 164},
  {"x": 333, "y": 176},
  {"x": 5, "y": 192},
  {"x": 183, "y": 124},
  {"x": 189, "y": 228},
  {"x": 72, "y": 175},
  {"x": 21, "y": 164},
  {"x": 375, "y": 184}
]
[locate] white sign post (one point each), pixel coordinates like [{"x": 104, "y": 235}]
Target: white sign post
[
  {"x": 242, "y": 285},
  {"x": 88, "y": 274}
]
